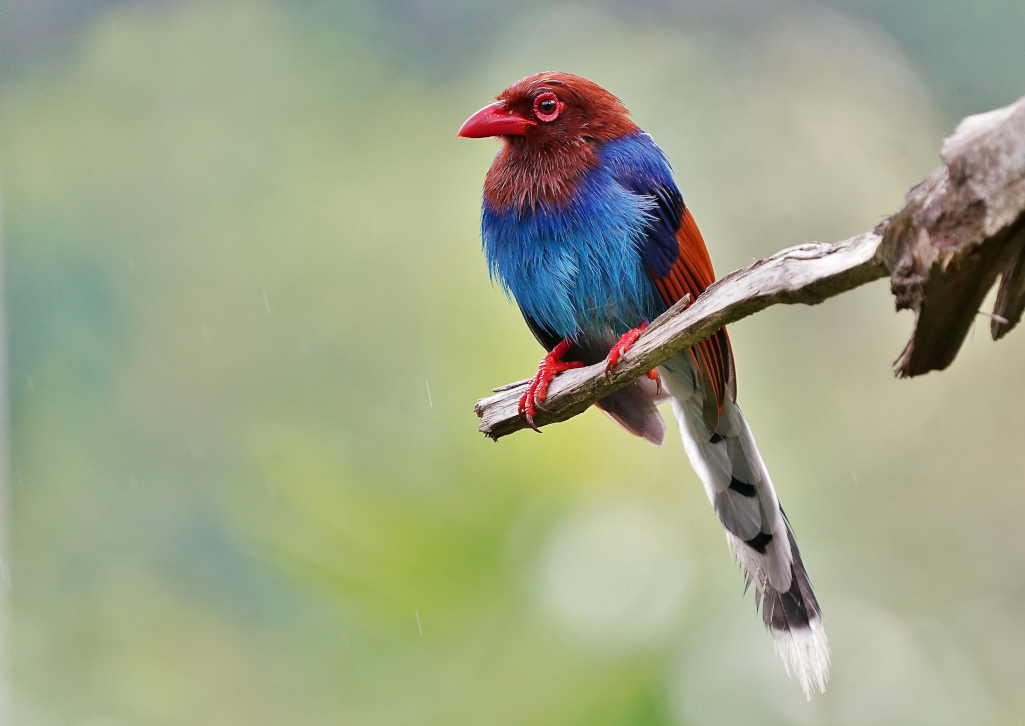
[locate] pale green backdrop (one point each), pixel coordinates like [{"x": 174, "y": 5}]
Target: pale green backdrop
[{"x": 249, "y": 318}]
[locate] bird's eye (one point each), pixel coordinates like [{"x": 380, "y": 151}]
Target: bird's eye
[{"x": 547, "y": 106}]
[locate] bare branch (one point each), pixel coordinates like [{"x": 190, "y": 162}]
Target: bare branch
[
  {"x": 960, "y": 228},
  {"x": 808, "y": 274}
]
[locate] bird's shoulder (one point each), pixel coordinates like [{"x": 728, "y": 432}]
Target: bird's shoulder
[{"x": 638, "y": 165}]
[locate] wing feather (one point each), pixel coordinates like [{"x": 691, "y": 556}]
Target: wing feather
[{"x": 691, "y": 273}]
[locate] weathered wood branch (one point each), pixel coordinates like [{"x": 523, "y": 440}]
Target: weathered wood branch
[{"x": 959, "y": 229}]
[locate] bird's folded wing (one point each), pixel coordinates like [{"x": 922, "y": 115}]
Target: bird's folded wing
[{"x": 689, "y": 274}]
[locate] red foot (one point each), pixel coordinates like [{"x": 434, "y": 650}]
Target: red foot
[
  {"x": 653, "y": 375},
  {"x": 623, "y": 346},
  {"x": 549, "y": 367}
]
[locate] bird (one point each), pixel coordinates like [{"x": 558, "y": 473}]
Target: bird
[{"x": 584, "y": 227}]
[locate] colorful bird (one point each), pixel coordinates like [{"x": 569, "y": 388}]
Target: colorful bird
[{"x": 585, "y": 228}]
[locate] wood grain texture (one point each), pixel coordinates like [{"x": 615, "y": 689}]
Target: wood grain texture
[{"x": 959, "y": 230}]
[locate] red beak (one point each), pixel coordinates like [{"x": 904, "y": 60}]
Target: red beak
[{"x": 494, "y": 120}]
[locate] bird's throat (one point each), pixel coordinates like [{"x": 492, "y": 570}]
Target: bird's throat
[{"x": 526, "y": 176}]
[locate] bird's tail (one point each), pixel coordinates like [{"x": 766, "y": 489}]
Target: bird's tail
[{"x": 739, "y": 487}]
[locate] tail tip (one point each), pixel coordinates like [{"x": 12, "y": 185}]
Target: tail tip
[{"x": 805, "y": 654}]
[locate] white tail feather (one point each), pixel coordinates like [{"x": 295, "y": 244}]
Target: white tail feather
[
  {"x": 740, "y": 489},
  {"x": 805, "y": 654}
]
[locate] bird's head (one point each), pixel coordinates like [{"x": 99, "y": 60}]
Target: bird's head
[{"x": 551, "y": 110}]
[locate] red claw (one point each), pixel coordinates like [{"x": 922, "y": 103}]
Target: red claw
[
  {"x": 625, "y": 341},
  {"x": 653, "y": 375},
  {"x": 549, "y": 367}
]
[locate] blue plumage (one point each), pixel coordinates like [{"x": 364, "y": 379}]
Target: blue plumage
[
  {"x": 639, "y": 166},
  {"x": 579, "y": 268}
]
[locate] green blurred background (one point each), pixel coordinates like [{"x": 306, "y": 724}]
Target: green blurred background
[{"x": 248, "y": 319}]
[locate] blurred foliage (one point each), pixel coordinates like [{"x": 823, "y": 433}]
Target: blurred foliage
[
  {"x": 969, "y": 53},
  {"x": 249, "y": 318}
]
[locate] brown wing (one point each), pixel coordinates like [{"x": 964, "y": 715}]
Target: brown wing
[{"x": 691, "y": 273}]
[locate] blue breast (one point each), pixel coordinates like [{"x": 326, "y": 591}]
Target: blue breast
[{"x": 578, "y": 268}]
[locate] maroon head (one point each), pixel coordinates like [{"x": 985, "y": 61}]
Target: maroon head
[
  {"x": 551, "y": 109},
  {"x": 552, "y": 124}
]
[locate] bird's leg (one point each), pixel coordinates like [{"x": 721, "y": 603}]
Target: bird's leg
[
  {"x": 549, "y": 367},
  {"x": 622, "y": 346},
  {"x": 653, "y": 375},
  {"x": 625, "y": 341}
]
